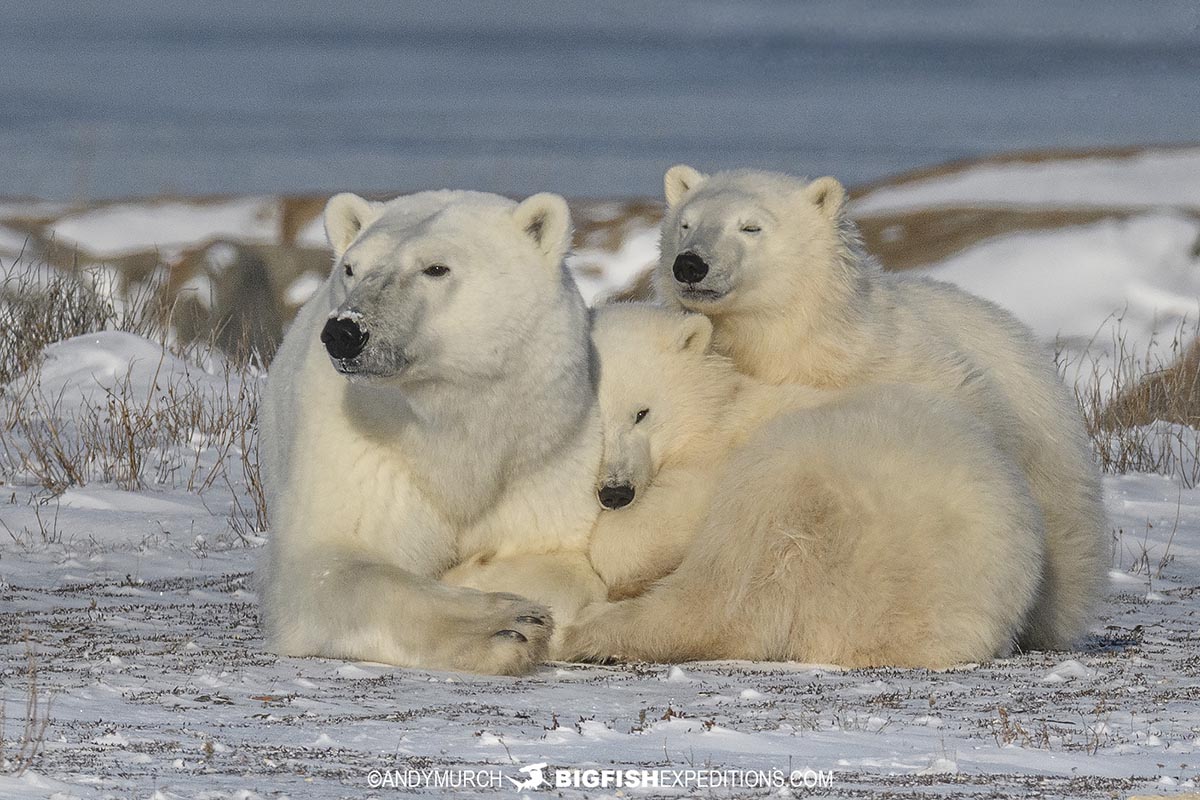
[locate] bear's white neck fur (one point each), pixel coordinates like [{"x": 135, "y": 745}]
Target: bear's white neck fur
[{"x": 534, "y": 409}]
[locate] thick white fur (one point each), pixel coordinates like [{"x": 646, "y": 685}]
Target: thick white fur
[
  {"x": 864, "y": 527},
  {"x": 803, "y": 304},
  {"x": 478, "y": 455}
]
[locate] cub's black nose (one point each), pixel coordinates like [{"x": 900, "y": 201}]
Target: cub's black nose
[
  {"x": 689, "y": 268},
  {"x": 614, "y": 497},
  {"x": 343, "y": 338}
]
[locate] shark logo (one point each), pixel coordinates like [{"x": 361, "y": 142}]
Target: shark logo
[{"x": 535, "y": 778}]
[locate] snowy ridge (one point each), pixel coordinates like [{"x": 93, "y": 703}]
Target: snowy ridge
[{"x": 1150, "y": 179}]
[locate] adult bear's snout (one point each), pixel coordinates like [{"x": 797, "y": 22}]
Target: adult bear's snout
[
  {"x": 343, "y": 338},
  {"x": 614, "y": 497},
  {"x": 689, "y": 268}
]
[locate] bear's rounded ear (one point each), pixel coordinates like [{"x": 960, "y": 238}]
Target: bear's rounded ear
[
  {"x": 827, "y": 194},
  {"x": 546, "y": 220},
  {"x": 679, "y": 180},
  {"x": 346, "y": 214},
  {"x": 694, "y": 334}
]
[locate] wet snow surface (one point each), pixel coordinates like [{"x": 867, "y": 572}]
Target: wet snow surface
[{"x": 140, "y": 614}]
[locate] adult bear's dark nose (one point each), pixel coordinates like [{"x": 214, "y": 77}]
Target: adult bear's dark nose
[
  {"x": 689, "y": 268},
  {"x": 614, "y": 497},
  {"x": 343, "y": 338}
]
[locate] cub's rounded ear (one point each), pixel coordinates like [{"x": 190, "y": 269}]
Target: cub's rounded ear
[
  {"x": 827, "y": 194},
  {"x": 346, "y": 215},
  {"x": 546, "y": 220},
  {"x": 694, "y": 334},
  {"x": 679, "y": 180}
]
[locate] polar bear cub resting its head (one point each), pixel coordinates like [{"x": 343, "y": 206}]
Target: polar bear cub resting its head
[
  {"x": 863, "y": 527},
  {"x": 430, "y": 439},
  {"x": 668, "y": 413}
]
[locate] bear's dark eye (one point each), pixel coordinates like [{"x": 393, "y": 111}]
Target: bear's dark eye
[
  {"x": 751, "y": 228},
  {"x": 641, "y": 415},
  {"x": 684, "y": 226},
  {"x": 436, "y": 270},
  {"x": 349, "y": 270}
]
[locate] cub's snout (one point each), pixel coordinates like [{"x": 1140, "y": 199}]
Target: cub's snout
[
  {"x": 614, "y": 496},
  {"x": 689, "y": 268},
  {"x": 344, "y": 338}
]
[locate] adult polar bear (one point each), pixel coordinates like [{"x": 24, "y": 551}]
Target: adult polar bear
[
  {"x": 433, "y": 405},
  {"x": 778, "y": 267}
]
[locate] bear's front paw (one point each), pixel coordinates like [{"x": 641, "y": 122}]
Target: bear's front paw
[
  {"x": 593, "y": 638},
  {"x": 510, "y": 637}
]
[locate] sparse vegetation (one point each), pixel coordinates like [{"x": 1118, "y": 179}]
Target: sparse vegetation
[
  {"x": 1142, "y": 406},
  {"x": 18, "y": 754},
  {"x": 189, "y": 424}
]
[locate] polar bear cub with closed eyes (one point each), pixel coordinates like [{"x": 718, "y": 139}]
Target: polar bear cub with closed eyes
[
  {"x": 777, "y": 265},
  {"x": 432, "y": 414},
  {"x": 873, "y": 527}
]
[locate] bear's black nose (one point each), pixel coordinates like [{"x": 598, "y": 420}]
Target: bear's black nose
[
  {"x": 689, "y": 268},
  {"x": 614, "y": 497},
  {"x": 343, "y": 338}
]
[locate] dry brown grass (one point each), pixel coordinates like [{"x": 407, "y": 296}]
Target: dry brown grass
[
  {"x": 910, "y": 239},
  {"x": 1142, "y": 407}
]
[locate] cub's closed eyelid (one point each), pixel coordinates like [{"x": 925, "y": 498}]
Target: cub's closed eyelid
[{"x": 751, "y": 227}]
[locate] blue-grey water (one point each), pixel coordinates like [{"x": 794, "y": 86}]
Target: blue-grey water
[{"x": 103, "y": 99}]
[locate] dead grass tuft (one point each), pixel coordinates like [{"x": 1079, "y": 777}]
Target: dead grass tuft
[
  {"x": 1142, "y": 407},
  {"x": 36, "y": 719}
]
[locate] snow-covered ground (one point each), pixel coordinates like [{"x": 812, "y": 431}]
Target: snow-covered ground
[
  {"x": 133, "y": 613},
  {"x": 141, "y": 619}
]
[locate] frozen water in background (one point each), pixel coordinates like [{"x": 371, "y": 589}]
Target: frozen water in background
[{"x": 138, "y": 97}]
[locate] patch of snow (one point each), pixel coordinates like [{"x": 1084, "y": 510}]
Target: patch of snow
[
  {"x": 602, "y": 272},
  {"x": 313, "y": 234},
  {"x": 1082, "y": 285},
  {"x": 1066, "y": 671},
  {"x": 220, "y": 257},
  {"x": 1147, "y": 180},
  {"x": 301, "y": 290},
  {"x": 118, "y": 230},
  {"x": 677, "y": 675},
  {"x": 200, "y": 288},
  {"x": 940, "y": 766},
  {"x": 86, "y": 367},
  {"x": 101, "y": 498}
]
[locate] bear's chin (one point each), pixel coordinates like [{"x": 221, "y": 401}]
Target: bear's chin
[
  {"x": 702, "y": 298},
  {"x": 356, "y": 372}
]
